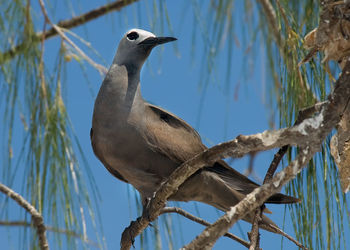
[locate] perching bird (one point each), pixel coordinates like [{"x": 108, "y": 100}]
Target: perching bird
[{"x": 142, "y": 144}]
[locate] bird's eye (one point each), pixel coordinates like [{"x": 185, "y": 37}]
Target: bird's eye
[{"x": 133, "y": 35}]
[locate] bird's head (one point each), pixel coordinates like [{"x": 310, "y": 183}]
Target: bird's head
[{"x": 136, "y": 45}]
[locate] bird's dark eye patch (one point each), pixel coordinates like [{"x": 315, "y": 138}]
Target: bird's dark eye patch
[{"x": 133, "y": 35}]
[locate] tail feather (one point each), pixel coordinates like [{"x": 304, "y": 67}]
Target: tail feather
[
  {"x": 243, "y": 184},
  {"x": 223, "y": 191},
  {"x": 282, "y": 199},
  {"x": 226, "y": 197}
]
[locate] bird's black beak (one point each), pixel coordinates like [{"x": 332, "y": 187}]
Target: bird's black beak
[{"x": 154, "y": 41}]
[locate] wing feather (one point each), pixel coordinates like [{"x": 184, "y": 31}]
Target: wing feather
[{"x": 171, "y": 136}]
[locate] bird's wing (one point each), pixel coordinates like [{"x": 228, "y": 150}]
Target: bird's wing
[
  {"x": 170, "y": 135},
  {"x": 114, "y": 172},
  {"x": 233, "y": 178},
  {"x": 241, "y": 183},
  {"x": 177, "y": 140}
]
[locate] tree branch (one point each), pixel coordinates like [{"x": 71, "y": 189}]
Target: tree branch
[
  {"x": 201, "y": 221},
  {"x": 252, "y": 201},
  {"x": 340, "y": 150},
  {"x": 303, "y": 135},
  {"x": 328, "y": 119},
  {"x": 254, "y": 235},
  {"x": 68, "y": 24},
  {"x": 303, "y": 114},
  {"x": 38, "y": 220}
]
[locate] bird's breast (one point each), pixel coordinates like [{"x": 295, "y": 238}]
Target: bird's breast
[{"x": 121, "y": 146}]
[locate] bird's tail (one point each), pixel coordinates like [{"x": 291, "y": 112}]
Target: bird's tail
[
  {"x": 210, "y": 188},
  {"x": 222, "y": 196},
  {"x": 222, "y": 190},
  {"x": 243, "y": 184},
  {"x": 282, "y": 199}
]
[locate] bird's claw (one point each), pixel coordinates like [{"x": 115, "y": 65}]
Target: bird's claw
[{"x": 146, "y": 205}]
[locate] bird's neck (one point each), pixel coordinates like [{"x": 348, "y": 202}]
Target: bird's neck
[{"x": 120, "y": 90}]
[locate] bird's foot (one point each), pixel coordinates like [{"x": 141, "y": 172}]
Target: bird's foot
[{"x": 146, "y": 204}]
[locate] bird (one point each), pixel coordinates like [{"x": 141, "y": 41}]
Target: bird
[{"x": 142, "y": 144}]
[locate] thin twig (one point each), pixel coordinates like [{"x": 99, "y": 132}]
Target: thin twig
[
  {"x": 254, "y": 235},
  {"x": 309, "y": 55},
  {"x": 302, "y": 115},
  {"x": 271, "y": 17},
  {"x": 290, "y": 238},
  {"x": 275, "y": 162},
  {"x": 284, "y": 15},
  {"x": 41, "y": 72},
  {"x": 201, "y": 221},
  {"x": 68, "y": 24},
  {"x": 99, "y": 67},
  {"x": 272, "y": 21},
  {"x": 38, "y": 220}
]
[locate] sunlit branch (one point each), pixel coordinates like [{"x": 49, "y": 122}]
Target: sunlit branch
[
  {"x": 201, "y": 221},
  {"x": 38, "y": 220}
]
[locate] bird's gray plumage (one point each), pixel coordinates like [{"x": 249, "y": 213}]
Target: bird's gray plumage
[{"x": 142, "y": 144}]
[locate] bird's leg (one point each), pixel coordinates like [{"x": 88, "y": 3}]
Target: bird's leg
[{"x": 145, "y": 206}]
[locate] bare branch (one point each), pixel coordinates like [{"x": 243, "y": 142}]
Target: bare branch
[
  {"x": 254, "y": 235},
  {"x": 68, "y": 24},
  {"x": 202, "y": 222},
  {"x": 38, "y": 220},
  {"x": 290, "y": 238},
  {"x": 303, "y": 114},
  {"x": 329, "y": 118},
  {"x": 274, "y": 164}
]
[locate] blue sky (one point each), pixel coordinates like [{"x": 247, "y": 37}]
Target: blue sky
[{"x": 170, "y": 79}]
